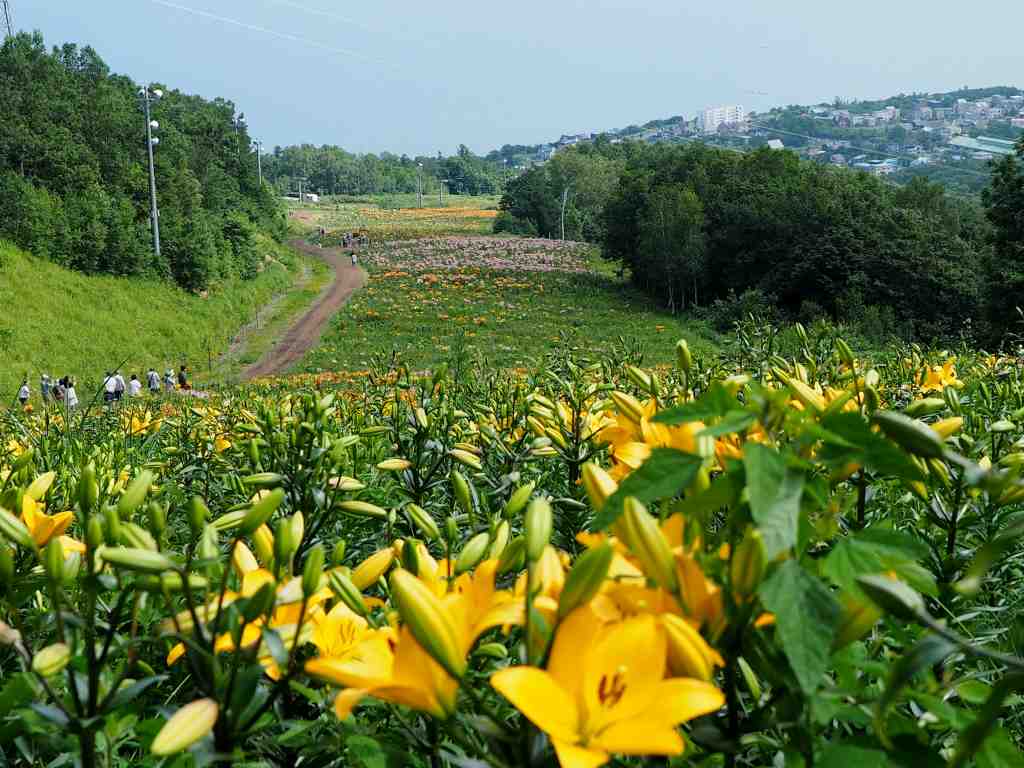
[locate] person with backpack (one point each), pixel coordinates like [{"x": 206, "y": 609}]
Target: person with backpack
[
  {"x": 169, "y": 380},
  {"x": 109, "y": 388},
  {"x": 153, "y": 381},
  {"x": 44, "y": 389},
  {"x": 59, "y": 391},
  {"x": 183, "y": 379},
  {"x": 134, "y": 386},
  {"x": 24, "y": 393}
]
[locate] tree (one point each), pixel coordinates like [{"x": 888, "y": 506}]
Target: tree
[
  {"x": 1004, "y": 207},
  {"x": 672, "y": 243}
]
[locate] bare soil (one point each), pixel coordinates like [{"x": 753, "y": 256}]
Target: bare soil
[{"x": 306, "y": 332}]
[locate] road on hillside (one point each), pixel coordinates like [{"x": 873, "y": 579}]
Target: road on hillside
[{"x": 307, "y": 330}]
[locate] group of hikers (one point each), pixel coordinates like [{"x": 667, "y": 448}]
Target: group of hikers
[
  {"x": 115, "y": 387},
  {"x": 349, "y": 241}
]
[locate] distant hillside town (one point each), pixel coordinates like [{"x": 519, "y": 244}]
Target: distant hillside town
[{"x": 948, "y": 135}]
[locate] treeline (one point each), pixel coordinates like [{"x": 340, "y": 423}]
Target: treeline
[
  {"x": 330, "y": 170},
  {"x": 74, "y": 185},
  {"x": 696, "y": 226}
]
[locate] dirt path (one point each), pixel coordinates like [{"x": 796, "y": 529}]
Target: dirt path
[{"x": 306, "y": 332}]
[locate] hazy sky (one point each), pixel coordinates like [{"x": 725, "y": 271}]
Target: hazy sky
[{"x": 420, "y": 77}]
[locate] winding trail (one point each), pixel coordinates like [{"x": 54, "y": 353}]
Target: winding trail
[{"x": 306, "y": 332}]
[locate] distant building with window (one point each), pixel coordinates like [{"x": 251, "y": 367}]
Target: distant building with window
[{"x": 710, "y": 119}]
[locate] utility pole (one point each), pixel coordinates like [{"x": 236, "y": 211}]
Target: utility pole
[
  {"x": 300, "y": 190},
  {"x": 8, "y": 22},
  {"x": 419, "y": 185},
  {"x": 149, "y": 95},
  {"x": 259, "y": 160},
  {"x": 565, "y": 199}
]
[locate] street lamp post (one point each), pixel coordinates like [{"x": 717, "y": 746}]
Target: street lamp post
[
  {"x": 149, "y": 95},
  {"x": 259, "y": 160},
  {"x": 419, "y": 185}
]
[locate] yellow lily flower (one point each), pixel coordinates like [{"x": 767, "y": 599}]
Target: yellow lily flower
[
  {"x": 41, "y": 526},
  {"x": 604, "y": 692}
]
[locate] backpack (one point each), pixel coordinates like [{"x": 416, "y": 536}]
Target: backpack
[{"x": 58, "y": 391}]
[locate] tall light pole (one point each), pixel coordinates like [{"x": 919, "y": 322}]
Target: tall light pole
[
  {"x": 148, "y": 95},
  {"x": 419, "y": 185},
  {"x": 8, "y": 23},
  {"x": 259, "y": 160}
]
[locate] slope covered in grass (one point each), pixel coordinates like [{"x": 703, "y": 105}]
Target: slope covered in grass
[{"x": 61, "y": 322}]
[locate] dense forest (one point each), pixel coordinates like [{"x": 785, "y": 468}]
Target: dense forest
[
  {"x": 698, "y": 226},
  {"x": 74, "y": 184},
  {"x": 333, "y": 171}
]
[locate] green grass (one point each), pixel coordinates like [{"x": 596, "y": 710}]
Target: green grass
[
  {"x": 428, "y": 314},
  {"x": 61, "y": 322}
]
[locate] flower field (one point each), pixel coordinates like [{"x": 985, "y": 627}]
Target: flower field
[
  {"x": 507, "y": 299},
  {"x": 777, "y": 555},
  {"x": 395, "y": 217}
]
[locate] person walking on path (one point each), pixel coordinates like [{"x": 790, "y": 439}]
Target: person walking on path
[
  {"x": 119, "y": 385},
  {"x": 183, "y": 379},
  {"x": 44, "y": 389},
  {"x": 169, "y": 380},
  {"x": 70, "y": 396},
  {"x": 24, "y": 393},
  {"x": 134, "y": 386},
  {"x": 59, "y": 390},
  {"x": 153, "y": 381},
  {"x": 109, "y": 388}
]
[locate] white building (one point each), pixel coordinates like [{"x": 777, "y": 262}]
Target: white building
[{"x": 709, "y": 120}]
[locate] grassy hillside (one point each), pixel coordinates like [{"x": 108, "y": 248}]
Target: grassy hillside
[{"x": 62, "y": 322}]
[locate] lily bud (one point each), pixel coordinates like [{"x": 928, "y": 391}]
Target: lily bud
[
  {"x": 538, "y": 528},
  {"x": 135, "y": 493},
  {"x": 298, "y": 528},
  {"x": 499, "y": 540},
  {"x": 598, "y": 484},
  {"x": 373, "y": 567},
  {"x": 421, "y": 418},
  {"x": 748, "y": 564},
  {"x": 689, "y": 654},
  {"x": 423, "y": 521},
  {"x": 517, "y": 501},
  {"x": 313, "y": 571},
  {"x": 263, "y": 542},
  {"x": 585, "y": 579},
  {"x": 683, "y": 357},
  {"x": 845, "y": 353},
  {"x": 157, "y": 518},
  {"x": 394, "y": 465},
  {"x": 925, "y": 406},
  {"x": 209, "y": 548},
  {"x": 460, "y": 486},
  {"x": 137, "y": 559},
  {"x": 88, "y": 488},
  {"x": 640, "y": 377},
  {"x": 53, "y": 559},
  {"x": 347, "y": 592},
  {"x": 363, "y": 508},
  {"x": 260, "y": 512},
  {"x": 628, "y": 406},
  {"x": 338, "y": 553},
  {"x": 6, "y": 566},
  {"x": 908, "y": 433},
  {"x": 188, "y": 725},
  {"x": 198, "y": 513},
  {"x": 243, "y": 559},
  {"x": 946, "y": 428},
  {"x": 514, "y": 556},
  {"x": 51, "y": 660},
  {"x": 14, "y": 530},
  {"x": 644, "y": 538},
  {"x": 284, "y": 545},
  {"x": 428, "y": 621},
  {"x": 94, "y": 533},
  {"x": 472, "y": 553},
  {"x": 471, "y": 460},
  {"x": 451, "y": 529}
]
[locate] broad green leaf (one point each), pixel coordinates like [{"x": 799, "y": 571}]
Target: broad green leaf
[
  {"x": 734, "y": 421},
  {"x": 713, "y": 404},
  {"x": 806, "y": 617},
  {"x": 872, "y": 551},
  {"x": 839, "y": 755},
  {"x": 774, "y": 491},
  {"x": 367, "y": 752},
  {"x": 999, "y": 751},
  {"x": 665, "y": 473}
]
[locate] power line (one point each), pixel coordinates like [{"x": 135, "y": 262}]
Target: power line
[
  {"x": 266, "y": 31},
  {"x": 325, "y": 14}
]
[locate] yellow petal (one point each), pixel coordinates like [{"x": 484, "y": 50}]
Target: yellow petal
[
  {"x": 541, "y": 699},
  {"x": 176, "y": 653},
  {"x": 681, "y": 699},
  {"x": 346, "y": 701},
  {"x": 573, "y": 756},
  {"x": 640, "y": 736}
]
